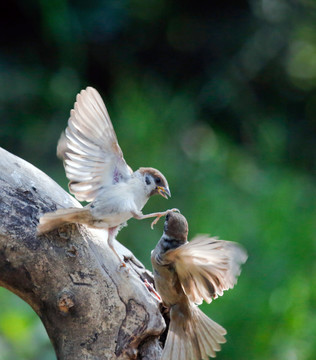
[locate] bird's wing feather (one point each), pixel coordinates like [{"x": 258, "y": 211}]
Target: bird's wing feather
[
  {"x": 93, "y": 157},
  {"x": 206, "y": 266}
]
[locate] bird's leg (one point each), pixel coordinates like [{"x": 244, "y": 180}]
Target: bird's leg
[
  {"x": 152, "y": 289},
  {"x": 140, "y": 216},
  {"x": 112, "y": 234}
]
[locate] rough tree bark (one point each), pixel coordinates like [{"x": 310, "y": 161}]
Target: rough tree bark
[{"x": 91, "y": 308}]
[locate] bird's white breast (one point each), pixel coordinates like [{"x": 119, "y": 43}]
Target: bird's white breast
[{"x": 116, "y": 203}]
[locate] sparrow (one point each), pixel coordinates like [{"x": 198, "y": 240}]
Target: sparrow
[
  {"x": 185, "y": 274},
  {"x": 99, "y": 175}
]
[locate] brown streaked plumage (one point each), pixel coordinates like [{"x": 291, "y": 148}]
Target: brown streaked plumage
[
  {"x": 186, "y": 273},
  {"x": 98, "y": 173}
]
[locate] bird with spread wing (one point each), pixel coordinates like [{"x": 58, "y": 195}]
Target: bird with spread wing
[
  {"x": 98, "y": 173},
  {"x": 186, "y": 273}
]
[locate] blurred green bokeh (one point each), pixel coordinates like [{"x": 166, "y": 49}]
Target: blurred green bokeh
[{"x": 222, "y": 99}]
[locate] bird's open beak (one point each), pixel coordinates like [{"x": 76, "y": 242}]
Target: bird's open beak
[{"x": 165, "y": 192}]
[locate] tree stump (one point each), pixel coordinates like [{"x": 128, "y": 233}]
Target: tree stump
[{"x": 90, "y": 307}]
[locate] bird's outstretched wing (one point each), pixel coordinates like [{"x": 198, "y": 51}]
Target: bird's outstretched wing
[
  {"x": 206, "y": 266},
  {"x": 92, "y": 155}
]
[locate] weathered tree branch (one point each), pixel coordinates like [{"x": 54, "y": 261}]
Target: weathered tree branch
[{"x": 91, "y": 308}]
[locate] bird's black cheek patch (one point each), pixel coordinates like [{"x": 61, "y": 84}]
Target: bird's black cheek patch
[
  {"x": 148, "y": 182},
  {"x": 169, "y": 244}
]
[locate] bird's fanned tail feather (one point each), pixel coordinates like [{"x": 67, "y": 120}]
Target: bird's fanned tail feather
[
  {"x": 53, "y": 220},
  {"x": 196, "y": 338}
]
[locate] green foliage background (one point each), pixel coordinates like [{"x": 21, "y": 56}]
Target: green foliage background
[{"x": 221, "y": 98}]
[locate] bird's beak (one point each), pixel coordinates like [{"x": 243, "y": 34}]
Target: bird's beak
[{"x": 164, "y": 191}]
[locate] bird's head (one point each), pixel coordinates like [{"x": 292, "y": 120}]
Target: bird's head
[
  {"x": 176, "y": 226},
  {"x": 154, "y": 182}
]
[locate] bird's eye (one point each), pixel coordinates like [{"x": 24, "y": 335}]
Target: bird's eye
[
  {"x": 147, "y": 179},
  {"x": 157, "y": 180},
  {"x": 167, "y": 217}
]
